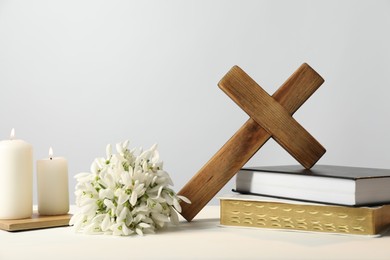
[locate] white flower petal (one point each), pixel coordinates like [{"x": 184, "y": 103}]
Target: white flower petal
[
  {"x": 144, "y": 154},
  {"x": 118, "y": 210},
  {"x": 145, "y": 166},
  {"x": 176, "y": 204},
  {"x": 167, "y": 198},
  {"x": 98, "y": 219},
  {"x": 122, "y": 215},
  {"x": 94, "y": 167},
  {"x": 86, "y": 201},
  {"x": 155, "y": 157},
  {"x": 92, "y": 228},
  {"x": 139, "y": 189},
  {"x": 106, "y": 223},
  {"x": 119, "y": 148},
  {"x": 126, "y": 231},
  {"x": 139, "y": 218},
  {"x": 133, "y": 198},
  {"x": 139, "y": 231},
  {"x": 108, "y": 151},
  {"x": 106, "y": 194},
  {"x": 125, "y": 144},
  {"x": 159, "y": 192},
  {"x": 131, "y": 172},
  {"x": 174, "y": 217},
  {"x": 99, "y": 162},
  {"x": 154, "y": 147},
  {"x": 109, "y": 204},
  {"x": 185, "y": 199},
  {"x": 123, "y": 198},
  {"x": 77, "y": 221},
  {"x": 117, "y": 230},
  {"x": 88, "y": 209},
  {"x": 144, "y": 225},
  {"x": 126, "y": 179}
]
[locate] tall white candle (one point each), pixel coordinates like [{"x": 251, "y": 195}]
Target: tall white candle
[
  {"x": 16, "y": 178},
  {"x": 52, "y": 182}
]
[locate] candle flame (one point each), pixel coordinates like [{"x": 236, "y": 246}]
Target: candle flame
[
  {"x": 12, "y": 136},
  {"x": 51, "y": 153}
]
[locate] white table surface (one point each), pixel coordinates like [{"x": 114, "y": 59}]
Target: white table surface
[{"x": 200, "y": 239}]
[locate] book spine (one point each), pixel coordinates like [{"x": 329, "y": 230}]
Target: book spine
[
  {"x": 330, "y": 219},
  {"x": 381, "y": 219}
]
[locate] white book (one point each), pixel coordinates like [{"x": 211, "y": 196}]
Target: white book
[{"x": 341, "y": 185}]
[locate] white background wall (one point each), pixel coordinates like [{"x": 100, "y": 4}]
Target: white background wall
[{"x": 77, "y": 75}]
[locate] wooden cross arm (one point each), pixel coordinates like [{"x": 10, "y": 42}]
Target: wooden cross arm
[{"x": 272, "y": 116}]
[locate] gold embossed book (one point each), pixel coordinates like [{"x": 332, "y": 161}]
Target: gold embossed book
[
  {"x": 342, "y": 185},
  {"x": 241, "y": 210}
]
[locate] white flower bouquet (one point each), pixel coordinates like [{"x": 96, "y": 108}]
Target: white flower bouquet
[{"x": 125, "y": 193}]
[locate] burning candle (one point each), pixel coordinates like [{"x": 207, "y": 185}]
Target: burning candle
[
  {"x": 16, "y": 178},
  {"x": 52, "y": 184}
]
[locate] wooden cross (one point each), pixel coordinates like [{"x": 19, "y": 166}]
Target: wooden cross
[{"x": 270, "y": 116}]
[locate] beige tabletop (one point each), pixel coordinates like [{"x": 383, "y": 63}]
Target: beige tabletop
[{"x": 203, "y": 238}]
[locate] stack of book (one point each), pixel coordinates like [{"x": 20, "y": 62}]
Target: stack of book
[{"x": 326, "y": 198}]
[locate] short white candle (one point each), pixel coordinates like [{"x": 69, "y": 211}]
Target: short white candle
[
  {"x": 16, "y": 178},
  {"x": 52, "y": 183}
]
